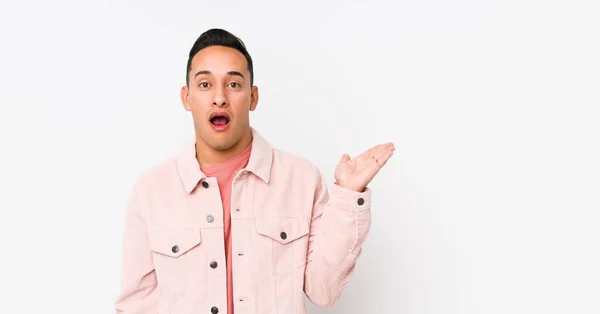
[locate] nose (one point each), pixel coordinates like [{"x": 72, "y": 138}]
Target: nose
[
  {"x": 220, "y": 99},
  {"x": 220, "y": 103}
]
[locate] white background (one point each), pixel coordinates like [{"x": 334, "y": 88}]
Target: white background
[{"x": 489, "y": 205}]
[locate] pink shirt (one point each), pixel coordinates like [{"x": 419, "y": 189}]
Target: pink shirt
[
  {"x": 290, "y": 237},
  {"x": 224, "y": 173}
]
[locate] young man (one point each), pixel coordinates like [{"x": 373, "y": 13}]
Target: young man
[{"x": 233, "y": 224}]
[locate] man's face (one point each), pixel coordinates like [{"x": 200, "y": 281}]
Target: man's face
[{"x": 219, "y": 84}]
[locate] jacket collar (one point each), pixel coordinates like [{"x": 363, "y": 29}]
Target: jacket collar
[{"x": 259, "y": 163}]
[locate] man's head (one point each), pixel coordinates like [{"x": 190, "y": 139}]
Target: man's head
[{"x": 219, "y": 90}]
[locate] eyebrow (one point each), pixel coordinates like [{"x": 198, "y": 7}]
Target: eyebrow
[{"x": 209, "y": 73}]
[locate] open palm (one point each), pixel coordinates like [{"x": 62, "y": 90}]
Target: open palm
[{"x": 356, "y": 173}]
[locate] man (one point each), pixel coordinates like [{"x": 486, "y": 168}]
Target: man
[{"x": 233, "y": 224}]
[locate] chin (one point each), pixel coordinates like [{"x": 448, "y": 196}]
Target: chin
[
  {"x": 222, "y": 142},
  {"x": 221, "y": 146}
]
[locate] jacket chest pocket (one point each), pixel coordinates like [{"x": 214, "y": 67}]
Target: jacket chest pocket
[
  {"x": 284, "y": 241},
  {"x": 178, "y": 257}
]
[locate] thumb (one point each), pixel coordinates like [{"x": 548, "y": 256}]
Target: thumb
[{"x": 345, "y": 158}]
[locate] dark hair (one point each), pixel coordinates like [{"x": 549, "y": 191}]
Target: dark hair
[{"x": 219, "y": 37}]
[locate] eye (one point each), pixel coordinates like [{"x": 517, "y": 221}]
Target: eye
[
  {"x": 203, "y": 85},
  {"x": 235, "y": 85}
]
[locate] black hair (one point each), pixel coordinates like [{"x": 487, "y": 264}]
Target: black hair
[{"x": 219, "y": 37}]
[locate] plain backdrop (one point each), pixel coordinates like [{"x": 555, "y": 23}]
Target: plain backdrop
[{"x": 489, "y": 205}]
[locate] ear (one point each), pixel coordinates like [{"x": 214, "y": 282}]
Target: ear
[
  {"x": 254, "y": 98},
  {"x": 185, "y": 98}
]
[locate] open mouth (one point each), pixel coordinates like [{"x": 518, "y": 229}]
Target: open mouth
[{"x": 219, "y": 120}]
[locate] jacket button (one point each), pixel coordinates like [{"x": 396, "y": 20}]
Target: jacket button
[
  {"x": 175, "y": 249},
  {"x": 210, "y": 218},
  {"x": 205, "y": 184},
  {"x": 213, "y": 264},
  {"x": 360, "y": 201},
  {"x": 283, "y": 235},
  {"x": 214, "y": 310}
]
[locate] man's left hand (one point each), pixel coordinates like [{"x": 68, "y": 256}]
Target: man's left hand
[{"x": 356, "y": 173}]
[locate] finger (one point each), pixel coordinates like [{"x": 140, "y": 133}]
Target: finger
[
  {"x": 384, "y": 158},
  {"x": 378, "y": 154},
  {"x": 381, "y": 148},
  {"x": 344, "y": 158},
  {"x": 388, "y": 145},
  {"x": 373, "y": 150},
  {"x": 367, "y": 152}
]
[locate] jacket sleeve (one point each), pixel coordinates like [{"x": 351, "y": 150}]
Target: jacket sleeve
[
  {"x": 339, "y": 226},
  {"x": 138, "y": 284}
]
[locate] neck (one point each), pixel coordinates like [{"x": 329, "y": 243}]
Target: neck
[{"x": 208, "y": 156}]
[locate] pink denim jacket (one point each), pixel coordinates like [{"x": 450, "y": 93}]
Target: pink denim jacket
[{"x": 290, "y": 237}]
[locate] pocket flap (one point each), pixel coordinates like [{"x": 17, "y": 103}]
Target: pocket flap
[
  {"x": 283, "y": 229},
  {"x": 175, "y": 242}
]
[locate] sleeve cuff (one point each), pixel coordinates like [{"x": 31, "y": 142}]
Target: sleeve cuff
[{"x": 351, "y": 200}]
